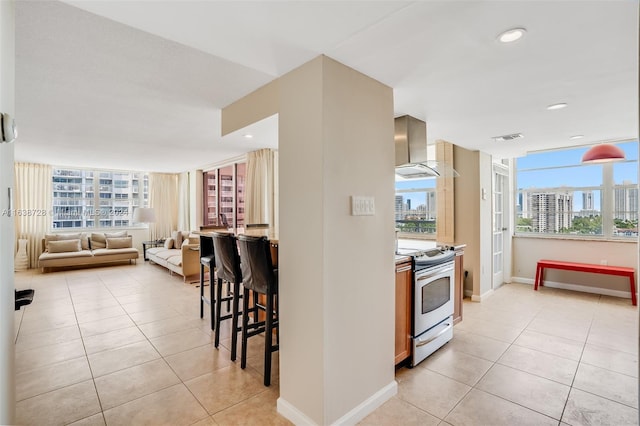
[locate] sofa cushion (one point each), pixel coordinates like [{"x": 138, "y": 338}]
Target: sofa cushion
[
  {"x": 166, "y": 254},
  {"x": 175, "y": 260},
  {"x": 84, "y": 241},
  {"x": 58, "y": 237},
  {"x": 65, "y": 246},
  {"x": 68, "y": 254},
  {"x": 98, "y": 240},
  {"x": 168, "y": 243},
  {"x": 117, "y": 234},
  {"x": 176, "y": 236},
  {"x": 119, "y": 242},
  {"x": 114, "y": 251}
]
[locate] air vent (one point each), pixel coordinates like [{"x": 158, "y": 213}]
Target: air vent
[{"x": 506, "y": 138}]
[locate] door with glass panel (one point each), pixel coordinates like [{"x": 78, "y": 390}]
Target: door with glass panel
[{"x": 500, "y": 222}]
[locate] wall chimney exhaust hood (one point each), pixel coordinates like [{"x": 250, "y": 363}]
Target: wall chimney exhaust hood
[{"x": 411, "y": 151}]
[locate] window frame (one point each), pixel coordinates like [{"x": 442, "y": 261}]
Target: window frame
[
  {"x": 95, "y": 209},
  {"x": 607, "y": 200}
]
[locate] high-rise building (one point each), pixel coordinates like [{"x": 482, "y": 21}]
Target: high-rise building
[
  {"x": 76, "y": 205},
  {"x": 550, "y": 211},
  {"x": 625, "y": 201},
  {"x": 399, "y": 207}
]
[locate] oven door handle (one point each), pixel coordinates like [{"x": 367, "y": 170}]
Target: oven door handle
[
  {"x": 419, "y": 343},
  {"x": 437, "y": 274}
]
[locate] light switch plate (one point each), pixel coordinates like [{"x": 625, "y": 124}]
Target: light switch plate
[{"x": 362, "y": 205}]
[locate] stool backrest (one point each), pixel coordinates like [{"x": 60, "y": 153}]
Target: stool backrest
[
  {"x": 256, "y": 264},
  {"x": 257, "y": 226},
  {"x": 206, "y": 245},
  {"x": 226, "y": 257}
]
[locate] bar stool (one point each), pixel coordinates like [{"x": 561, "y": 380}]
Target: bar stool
[
  {"x": 227, "y": 262},
  {"x": 259, "y": 277},
  {"x": 207, "y": 260}
]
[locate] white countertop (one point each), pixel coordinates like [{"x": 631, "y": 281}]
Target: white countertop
[{"x": 416, "y": 244}]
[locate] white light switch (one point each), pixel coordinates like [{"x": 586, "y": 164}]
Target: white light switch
[{"x": 362, "y": 206}]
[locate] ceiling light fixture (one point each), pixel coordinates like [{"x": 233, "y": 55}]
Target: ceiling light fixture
[
  {"x": 506, "y": 138},
  {"x": 603, "y": 153},
  {"x": 511, "y": 35},
  {"x": 576, "y": 137},
  {"x": 557, "y": 106},
  {"x": 248, "y": 136}
]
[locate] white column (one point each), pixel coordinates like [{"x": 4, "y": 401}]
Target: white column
[
  {"x": 336, "y": 270},
  {"x": 7, "y": 232}
]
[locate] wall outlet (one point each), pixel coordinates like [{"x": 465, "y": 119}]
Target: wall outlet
[
  {"x": 604, "y": 262},
  {"x": 362, "y": 206}
]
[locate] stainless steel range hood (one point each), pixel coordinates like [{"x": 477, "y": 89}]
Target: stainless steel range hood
[{"x": 411, "y": 151}]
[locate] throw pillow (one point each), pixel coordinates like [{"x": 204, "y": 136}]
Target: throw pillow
[
  {"x": 118, "y": 234},
  {"x": 168, "y": 243},
  {"x": 48, "y": 238},
  {"x": 84, "y": 241},
  {"x": 120, "y": 242},
  {"x": 64, "y": 246},
  {"x": 98, "y": 240},
  {"x": 177, "y": 239}
]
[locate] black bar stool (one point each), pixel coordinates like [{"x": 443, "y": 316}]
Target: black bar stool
[
  {"x": 227, "y": 263},
  {"x": 207, "y": 260},
  {"x": 261, "y": 278}
]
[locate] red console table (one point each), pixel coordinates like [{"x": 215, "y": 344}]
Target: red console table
[{"x": 587, "y": 267}]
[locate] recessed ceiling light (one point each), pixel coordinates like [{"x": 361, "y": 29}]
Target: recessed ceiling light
[
  {"x": 248, "y": 136},
  {"x": 577, "y": 137},
  {"x": 557, "y": 106},
  {"x": 511, "y": 35}
]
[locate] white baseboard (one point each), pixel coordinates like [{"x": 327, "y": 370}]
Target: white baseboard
[
  {"x": 351, "y": 418},
  {"x": 482, "y": 297},
  {"x": 577, "y": 287},
  {"x": 292, "y": 414}
]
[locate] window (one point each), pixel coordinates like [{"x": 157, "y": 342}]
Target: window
[
  {"x": 415, "y": 207},
  {"x": 224, "y": 195},
  {"x": 84, "y": 198},
  {"x": 557, "y": 195}
]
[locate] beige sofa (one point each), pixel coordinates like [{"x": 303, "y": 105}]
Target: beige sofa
[
  {"x": 180, "y": 254},
  {"x": 79, "y": 249}
]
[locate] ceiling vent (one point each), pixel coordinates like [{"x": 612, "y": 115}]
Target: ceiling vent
[{"x": 507, "y": 138}]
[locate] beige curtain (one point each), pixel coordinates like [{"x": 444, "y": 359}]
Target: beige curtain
[
  {"x": 164, "y": 199},
  {"x": 183, "y": 202},
  {"x": 33, "y": 195},
  {"x": 261, "y": 198}
]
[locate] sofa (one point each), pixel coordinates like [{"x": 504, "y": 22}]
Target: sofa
[
  {"x": 179, "y": 254},
  {"x": 84, "y": 248}
]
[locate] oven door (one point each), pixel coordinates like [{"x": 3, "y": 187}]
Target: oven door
[{"x": 434, "y": 294}]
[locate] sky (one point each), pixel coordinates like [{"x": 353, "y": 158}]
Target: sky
[{"x": 578, "y": 176}]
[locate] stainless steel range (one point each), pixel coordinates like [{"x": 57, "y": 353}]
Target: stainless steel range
[{"x": 433, "y": 279}]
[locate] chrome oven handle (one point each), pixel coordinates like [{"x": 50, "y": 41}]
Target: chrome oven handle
[
  {"x": 432, "y": 338},
  {"x": 432, "y": 274}
]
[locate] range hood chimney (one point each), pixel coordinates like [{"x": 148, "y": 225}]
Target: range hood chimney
[{"x": 411, "y": 151}]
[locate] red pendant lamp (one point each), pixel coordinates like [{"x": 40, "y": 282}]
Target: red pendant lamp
[{"x": 603, "y": 153}]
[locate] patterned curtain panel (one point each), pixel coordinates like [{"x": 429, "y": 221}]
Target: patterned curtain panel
[
  {"x": 261, "y": 198},
  {"x": 164, "y": 199},
  {"x": 33, "y": 196}
]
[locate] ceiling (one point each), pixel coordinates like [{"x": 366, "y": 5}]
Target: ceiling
[{"x": 140, "y": 84}]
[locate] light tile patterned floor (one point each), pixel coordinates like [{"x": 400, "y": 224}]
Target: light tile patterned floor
[{"x": 125, "y": 345}]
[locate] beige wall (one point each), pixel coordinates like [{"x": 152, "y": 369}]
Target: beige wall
[
  {"x": 336, "y": 270},
  {"x": 528, "y": 250},
  {"x": 7, "y": 233},
  {"x": 336, "y": 140},
  {"x": 473, "y": 218}
]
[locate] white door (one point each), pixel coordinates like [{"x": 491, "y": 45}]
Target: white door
[{"x": 500, "y": 222}]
